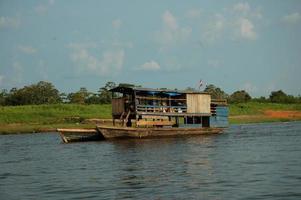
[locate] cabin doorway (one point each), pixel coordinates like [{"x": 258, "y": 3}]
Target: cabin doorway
[{"x": 205, "y": 122}]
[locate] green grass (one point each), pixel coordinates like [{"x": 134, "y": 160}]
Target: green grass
[
  {"x": 253, "y": 112},
  {"x": 41, "y": 118},
  {"x": 49, "y": 114},
  {"x": 255, "y": 108}
]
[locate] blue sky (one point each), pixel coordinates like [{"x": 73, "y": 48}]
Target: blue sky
[{"x": 250, "y": 45}]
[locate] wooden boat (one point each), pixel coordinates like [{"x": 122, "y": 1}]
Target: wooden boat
[
  {"x": 133, "y": 132},
  {"x": 145, "y": 112},
  {"x": 79, "y": 135}
]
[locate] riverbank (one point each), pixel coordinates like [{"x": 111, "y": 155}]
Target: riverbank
[
  {"x": 47, "y": 118},
  {"x": 254, "y": 112}
]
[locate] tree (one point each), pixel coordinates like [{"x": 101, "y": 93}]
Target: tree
[
  {"x": 105, "y": 94},
  {"x": 278, "y": 97},
  {"x": 261, "y": 99},
  {"x": 190, "y": 89},
  {"x": 93, "y": 99},
  {"x": 239, "y": 97},
  {"x": 215, "y": 92},
  {"x": 40, "y": 93},
  {"x": 79, "y": 97},
  {"x": 3, "y": 96}
]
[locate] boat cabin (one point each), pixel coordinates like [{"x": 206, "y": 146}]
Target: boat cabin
[{"x": 145, "y": 107}]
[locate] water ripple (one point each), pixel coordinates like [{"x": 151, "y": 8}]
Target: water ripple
[{"x": 257, "y": 161}]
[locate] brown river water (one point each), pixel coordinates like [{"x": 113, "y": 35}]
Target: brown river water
[{"x": 258, "y": 161}]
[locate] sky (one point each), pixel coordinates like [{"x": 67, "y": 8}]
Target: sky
[{"x": 235, "y": 45}]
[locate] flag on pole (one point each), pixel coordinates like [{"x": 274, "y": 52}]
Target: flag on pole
[{"x": 200, "y": 84}]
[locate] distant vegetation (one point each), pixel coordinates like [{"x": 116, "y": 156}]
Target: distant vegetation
[
  {"x": 45, "y": 93},
  {"x": 242, "y": 96}
]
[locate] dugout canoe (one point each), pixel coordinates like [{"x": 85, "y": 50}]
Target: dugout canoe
[{"x": 79, "y": 135}]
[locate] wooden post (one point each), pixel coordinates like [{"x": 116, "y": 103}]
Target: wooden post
[{"x": 177, "y": 121}]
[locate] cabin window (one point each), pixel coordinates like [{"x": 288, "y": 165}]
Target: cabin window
[
  {"x": 193, "y": 120},
  {"x": 160, "y": 102}
]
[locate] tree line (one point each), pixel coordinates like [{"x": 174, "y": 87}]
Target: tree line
[
  {"x": 242, "y": 96},
  {"x": 46, "y": 93}
]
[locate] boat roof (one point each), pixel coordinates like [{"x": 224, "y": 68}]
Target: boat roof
[{"x": 131, "y": 89}]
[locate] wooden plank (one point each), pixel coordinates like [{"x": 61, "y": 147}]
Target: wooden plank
[
  {"x": 173, "y": 114},
  {"x": 219, "y": 102},
  {"x": 154, "y": 123},
  {"x": 117, "y": 106},
  {"x": 198, "y": 103},
  {"x": 154, "y": 117},
  {"x": 160, "y": 98},
  {"x": 76, "y": 130}
]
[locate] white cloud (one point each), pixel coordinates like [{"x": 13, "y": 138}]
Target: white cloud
[
  {"x": 171, "y": 32},
  {"x": 150, "y": 66},
  {"x": 116, "y": 23},
  {"x": 214, "y": 29},
  {"x": 110, "y": 62},
  {"x": 292, "y": 18},
  {"x": 242, "y": 7},
  {"x": 194, "y": 13},
  {"x": 238, "y": 22},
  {"x": 246, "y": 29},
  {"x": 27, "y": 49},
  {"x": 170, "y": 21},
  {"x": 9, "y": 22}
]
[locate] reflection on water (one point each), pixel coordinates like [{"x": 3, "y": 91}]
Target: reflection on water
[{"x": 259, "y": 161}]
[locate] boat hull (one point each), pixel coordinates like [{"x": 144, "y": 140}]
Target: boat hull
[
  {"x": 130, "y": 132},
  {"x": 79, "y": 135}
]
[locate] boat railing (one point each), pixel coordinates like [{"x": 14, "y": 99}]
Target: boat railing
[
  {"x": 219, "y": 101},
  {"x": 160, "y": 108}
]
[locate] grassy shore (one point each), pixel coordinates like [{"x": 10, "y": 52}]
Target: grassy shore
[
  {"x": 254, "y": 112},
  {"x": 41, "y": 118}
]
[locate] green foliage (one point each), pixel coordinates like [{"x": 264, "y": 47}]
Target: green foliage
[
  {"x": 40, "y": 93},
  {"x": 239, "y": 97},
  {"x": 215, "y": 92},
  {"x": 190, "y": 89},
  {"x": 3, "y": 96},
  {"x": 127, "y": 85},
  {"x": 55, "y": 113},
  {"x": 105, "y": 95},
  {"x": 45, "y": 93},
  {"x": 260, "y": 100},
  {"x": 78, "y": 97},
  {"x": 254, "y": 108},
  {"x": 280, "y": 97}
]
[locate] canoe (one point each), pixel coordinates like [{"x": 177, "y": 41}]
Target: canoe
[
  {"x": 131, "y": 132},
  {"x": 79, "y": 135}
]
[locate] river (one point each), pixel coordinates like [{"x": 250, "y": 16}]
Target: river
[{"x": 258, "y": 161}]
